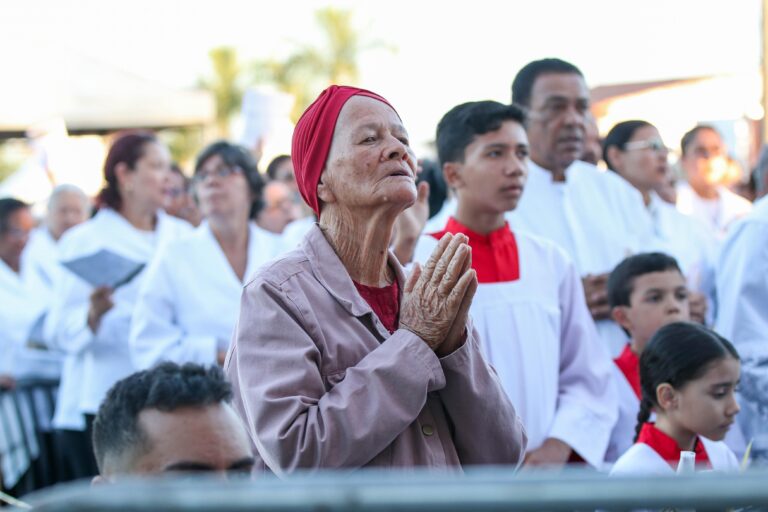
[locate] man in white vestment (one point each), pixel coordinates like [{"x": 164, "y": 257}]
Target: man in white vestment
[
  {"x": 705, "y": 195},
  {"x": 742, "y": 317},
  {"x": 593, "y": 215}
]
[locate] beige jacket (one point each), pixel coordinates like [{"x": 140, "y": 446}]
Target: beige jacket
[{"x": 320, "y": 383}]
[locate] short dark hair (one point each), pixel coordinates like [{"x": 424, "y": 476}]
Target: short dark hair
[
  {"x": 619, "y": 136},
  {"x": 691, "y": 134},
  {"x": 526, "y": 77},
  {"x": 621, "y": 281},
  {"x": 237, "y": 156},
  {"x": 9, "y": 205},
  {"x": 459, "y": 127},
  {"x": 166, "y": 387},
  {"x": 438, "y": 188},
  {"x": 128, "y": 148},
  {"x": 678, "y": 353},
  {"x": 275, "y": 164}
]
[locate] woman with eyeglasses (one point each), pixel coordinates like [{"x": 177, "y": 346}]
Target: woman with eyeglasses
[
  {"x": 189, "y": 302},
  {"x": 635, "y": 151},
  {"x": 90, "y": 323}
]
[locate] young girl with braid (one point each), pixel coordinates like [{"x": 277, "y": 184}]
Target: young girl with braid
[{"x": 688, "y": 378}]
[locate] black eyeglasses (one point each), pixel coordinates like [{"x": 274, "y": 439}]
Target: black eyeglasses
[
  {"x": 653, "y": 144},
  {"x": 220, "y": 172}
]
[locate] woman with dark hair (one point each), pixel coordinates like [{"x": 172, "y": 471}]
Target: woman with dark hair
[
  {"x": 189, "y": 300},
  {"x": 688, "y": 378},
  {"x": 338, "y": 361},
  {"x": 93, "y": 323},
  {"x": 636, "y": 152}
]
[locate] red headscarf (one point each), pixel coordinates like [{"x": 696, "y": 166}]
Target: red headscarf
[{"x": 313, "y": 135}]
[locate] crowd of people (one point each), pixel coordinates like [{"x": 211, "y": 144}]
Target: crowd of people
[{"x": 508, "y": 303}]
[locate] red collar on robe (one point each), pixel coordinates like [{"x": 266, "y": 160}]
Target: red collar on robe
[
  {"x": 668, "y": 448},
  {"x": 385, "y": 302},
  {"x": 629, "y": 364},
  {"x": 495, "y": 257}
]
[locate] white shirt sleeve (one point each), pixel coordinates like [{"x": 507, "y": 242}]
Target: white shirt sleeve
[
  {"x": 155, "y": 332},
  {"x": 587, "y": 406}
]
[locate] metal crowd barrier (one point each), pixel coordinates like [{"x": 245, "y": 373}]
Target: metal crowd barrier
[{"x": 488, "y": 489}]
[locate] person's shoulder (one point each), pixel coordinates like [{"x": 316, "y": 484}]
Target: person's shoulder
[
  {"x": 640, "y": 459},
  {"x": 546, "y": 250},
  {"x": 277, "y": 272},
  {"x": 720, "y": 456}
]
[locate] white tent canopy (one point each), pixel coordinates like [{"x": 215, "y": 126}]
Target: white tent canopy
[{"x": 42, "y": 81}]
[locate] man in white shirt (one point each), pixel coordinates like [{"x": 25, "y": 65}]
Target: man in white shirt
[
  {"x": 742, "y": 317},
  {"x": 68, "y": 206},
  {"x": 591, "y": 214},
  {"x": 704, "y": 196}
]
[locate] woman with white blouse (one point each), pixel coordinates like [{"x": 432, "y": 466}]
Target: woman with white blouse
[
  {"x": 92, "y": 323},
  {"x": 189, "y": 302}
]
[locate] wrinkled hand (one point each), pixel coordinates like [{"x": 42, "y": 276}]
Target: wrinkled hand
[
  {"x": 458, "y": 333},
  {"x": 596, "y": 295},
  {"x": 553, "y": 452},
  {"x": 433, "y": 296},
  {"x": 697, "y": 305},
  {"x": 100, "y": 302},
  {"x": 409, "y": 225}
]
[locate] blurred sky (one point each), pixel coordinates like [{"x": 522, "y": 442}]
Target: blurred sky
[{"x": 434, "y": 54}]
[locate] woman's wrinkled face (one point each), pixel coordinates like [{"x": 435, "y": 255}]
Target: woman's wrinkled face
[
  {"x": 370, "y": 164},
  {"x": 148, "y": 179},
  {"x": 222, "y": 189}
]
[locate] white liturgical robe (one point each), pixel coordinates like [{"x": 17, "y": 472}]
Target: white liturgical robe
[
  {"x": 641, "y": 459},
  {"x": 717, "y": 215},
  {"x": 106, "y": 358},
  {"x": 537, "y": 333},
  {"x": 742, "y": 317},
  {"x": 596, "y": 216},
  {"x": 190, "y": 298}
]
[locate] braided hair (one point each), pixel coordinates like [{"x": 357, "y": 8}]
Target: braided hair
[{"x": 678, "y": 353}]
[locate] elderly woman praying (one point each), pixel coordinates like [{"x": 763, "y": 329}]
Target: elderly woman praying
[{"x": 338, "y": 360}]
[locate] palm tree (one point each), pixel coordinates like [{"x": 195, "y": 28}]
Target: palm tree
[
  {"x": 225, "y": 86},
  {"x": 309, "y": 69}
]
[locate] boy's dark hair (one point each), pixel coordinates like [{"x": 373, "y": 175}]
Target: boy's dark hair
[
  {"x": 619, "y": 136},
  {"x": 9, "y": 205},
  {"x": 621, "y": 282},
  {"x": 526, "y": 77},
  {"x": 687, "y": 139},
  {"x": 438, "y": 188},
  {"x": 678, "y": 353},
  {"x": 459, "y": 127},
  {"x": 166, "y": 387},
  {"x": 237, "y": 156}
]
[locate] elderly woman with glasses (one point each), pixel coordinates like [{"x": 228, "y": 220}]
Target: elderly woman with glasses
[
  {"x": 634, "y": 150},
  {"x": 338, "y": 360},
  {"x": 189, "y": 301}
]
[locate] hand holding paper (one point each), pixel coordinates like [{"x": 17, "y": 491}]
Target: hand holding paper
[{"x": 105, "y": 269}]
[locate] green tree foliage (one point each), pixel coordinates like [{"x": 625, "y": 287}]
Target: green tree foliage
[{"x": 225, "y": 86}]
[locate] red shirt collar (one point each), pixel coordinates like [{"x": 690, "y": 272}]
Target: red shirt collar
[
  {"x": 668, "y": 448},
  {"x": 629, "y": 364},
  {"x": 495, "y": 256}
]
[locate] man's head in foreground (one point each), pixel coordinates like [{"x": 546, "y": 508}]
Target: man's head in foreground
[{"x": 170, "y": 419}]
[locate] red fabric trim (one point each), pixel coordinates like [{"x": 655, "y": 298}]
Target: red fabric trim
[
  {"x": 668, "y": 448},
  {"x": 495, "y": 256},
  {"x": 629, "y": 364},
  {"x": 385, "y": 303}
]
